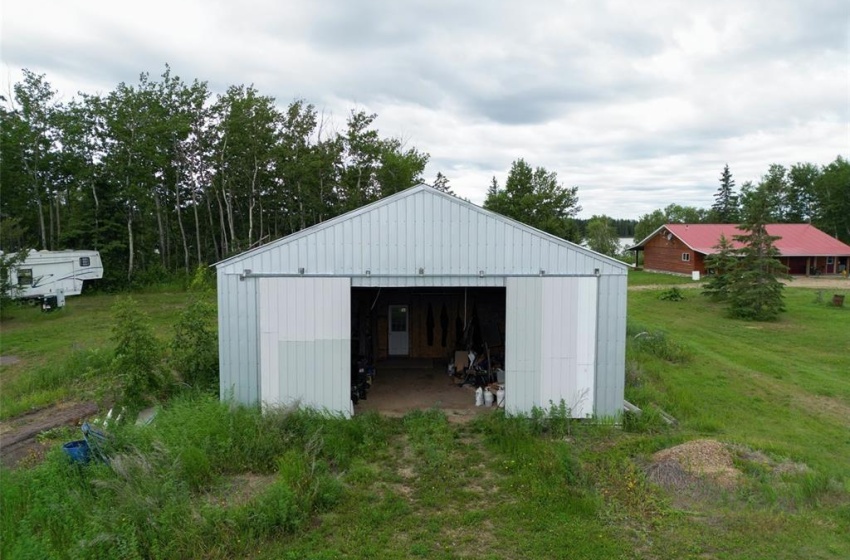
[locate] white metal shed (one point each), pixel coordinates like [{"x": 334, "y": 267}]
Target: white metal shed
[{"x": 285, "y": 309}]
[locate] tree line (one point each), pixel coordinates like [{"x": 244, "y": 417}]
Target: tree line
[
  {"x": 800, "y": 193},
  {"x": 162, "y": 176}
]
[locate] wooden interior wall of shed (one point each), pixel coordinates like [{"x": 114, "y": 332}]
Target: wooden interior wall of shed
[{"x": 488, "y": 302}]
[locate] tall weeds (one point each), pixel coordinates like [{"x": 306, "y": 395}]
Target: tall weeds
[{"x": 157, "y": 497}]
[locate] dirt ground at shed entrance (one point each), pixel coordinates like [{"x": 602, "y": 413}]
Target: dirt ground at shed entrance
[
  {"x": 19, "y": 436},
  {"x": 404, "y": 385}
]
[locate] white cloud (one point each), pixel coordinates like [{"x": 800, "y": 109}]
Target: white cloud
[{"x": 639, "y": 104}]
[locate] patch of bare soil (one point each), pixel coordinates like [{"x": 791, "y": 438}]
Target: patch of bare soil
[
  {"x": 9, "y": 360},
  {"x": 18, "y": 435},
  {"x": 241, "y": 488},
  {"x": 405, "y": 471}
]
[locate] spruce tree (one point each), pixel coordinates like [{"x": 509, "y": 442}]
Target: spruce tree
[
  {"x": 441, "y": 183},
  {"x": 723, "y": 265},
  {"x": 755, "y": 291},
  {"x": 725, "y": 209}
]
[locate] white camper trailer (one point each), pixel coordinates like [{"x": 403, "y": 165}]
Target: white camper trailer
[{"x": 52, "y": 275}]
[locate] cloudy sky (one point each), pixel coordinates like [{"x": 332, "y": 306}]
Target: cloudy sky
[{"x": 639, "y": 104}]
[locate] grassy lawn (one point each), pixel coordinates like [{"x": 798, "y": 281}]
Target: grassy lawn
[
  {"x": 56, "y": 350},
  {"x": 644, "y": 278},
  {"x": 778, "y": 389},
  {"x": 209, "y": 481}
]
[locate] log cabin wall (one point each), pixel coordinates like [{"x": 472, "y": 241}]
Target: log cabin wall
[{"x": 665, "y": 254}]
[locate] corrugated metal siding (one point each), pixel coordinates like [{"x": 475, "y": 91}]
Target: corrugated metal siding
[
  {"x": 611, "y": 346},
  {"x": 550, "y": 344},
  {"x": 238, "y": 346},
  {"x": 422, "y": 228},
  {"x": 568, "y": 344},
  {"x": 523, "y": 331},
  {"x": 305, "y": 341}
]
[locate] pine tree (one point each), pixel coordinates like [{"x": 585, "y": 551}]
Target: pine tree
[
  {"x": 755, "y": 291},
  {"x": 441, "y": 183},
  {"x": 725, "y": 209},
  {"x": 723, "y": 265}
]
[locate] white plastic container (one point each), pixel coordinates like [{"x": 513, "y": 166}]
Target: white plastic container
[
  {"x": 488, "y": 397},
  {"x": 500, "y": 398},
  {"x": 479, "y": 397}
]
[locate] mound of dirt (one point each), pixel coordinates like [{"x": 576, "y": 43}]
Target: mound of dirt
[{"x": 701, "y": 458}]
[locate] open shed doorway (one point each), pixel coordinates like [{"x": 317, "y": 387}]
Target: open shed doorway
[{"x": 418, "y": 339}]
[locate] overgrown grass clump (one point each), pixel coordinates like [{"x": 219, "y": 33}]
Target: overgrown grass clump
[
  {"x": 162, "y": 495},
  {"x": 655, "y": 342},
  {"x": 51, "y": 382}
]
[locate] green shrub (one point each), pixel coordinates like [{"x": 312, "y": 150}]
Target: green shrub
[
  {"x": 194, "y": 349},
  {"x": 138, "y": 356},
  {"x": 202, "y": 280},
  {"x": 672, "y": 294},
  {"x": 556, "y": 420}
]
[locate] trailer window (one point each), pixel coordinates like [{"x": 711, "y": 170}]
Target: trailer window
[
  {"x": 24, "y": 277},
  {"x": 85, "y": 261}
]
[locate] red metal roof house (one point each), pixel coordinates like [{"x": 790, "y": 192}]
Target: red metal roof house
[{"x": 682, "y": 248}]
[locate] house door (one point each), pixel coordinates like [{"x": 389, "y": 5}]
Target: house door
[{"x": 399, "y": 341}]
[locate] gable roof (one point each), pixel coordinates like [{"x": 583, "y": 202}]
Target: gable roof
[
  {"x": 795, "y": 240},
  {"x": 423, "y": 213}
]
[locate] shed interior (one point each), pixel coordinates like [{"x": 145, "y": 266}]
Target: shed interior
[{"x": 411, "y": 336}]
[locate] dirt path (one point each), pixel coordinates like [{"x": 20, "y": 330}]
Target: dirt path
[
  {"x": 819, "y": 282},
  {"x": 816, "y": 282},
  {"x": 18, "y": 435}
]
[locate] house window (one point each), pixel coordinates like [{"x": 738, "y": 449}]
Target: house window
[
  {"x": 830, "y": 260},
  {"x": 686, "y": 257},
  {"x": 24, "y": 277},
  {"x": 85, "y": 261}
]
